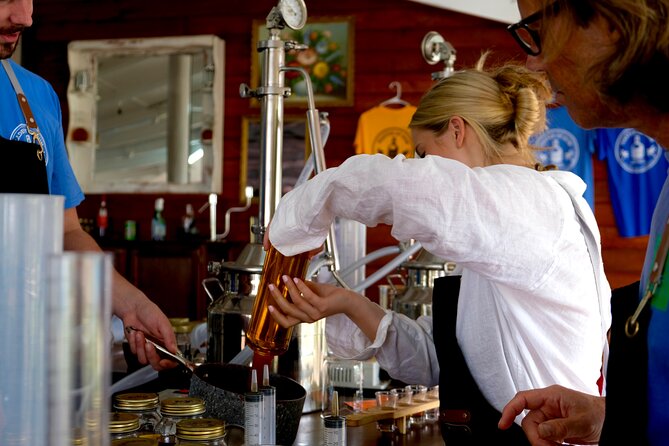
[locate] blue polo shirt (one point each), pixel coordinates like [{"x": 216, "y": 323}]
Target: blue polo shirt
[
  {"x": 45, "y": 106},
  {"x": 636, "y": 170}
]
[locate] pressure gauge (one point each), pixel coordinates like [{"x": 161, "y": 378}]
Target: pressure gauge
[{"x": 294, "y": 13}]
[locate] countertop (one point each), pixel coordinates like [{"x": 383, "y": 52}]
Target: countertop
[{"x": 310, "y": 433}]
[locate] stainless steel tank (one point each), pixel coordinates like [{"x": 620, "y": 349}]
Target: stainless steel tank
[
  {"x": 233, "y": 295},
  {"x": 414, "y": 299}
]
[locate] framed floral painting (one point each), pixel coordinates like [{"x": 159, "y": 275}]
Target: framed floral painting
[{"x": 328, "y": 60}]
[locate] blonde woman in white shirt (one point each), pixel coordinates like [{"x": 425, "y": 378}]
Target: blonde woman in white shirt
[{"x": 533, "y": 310}]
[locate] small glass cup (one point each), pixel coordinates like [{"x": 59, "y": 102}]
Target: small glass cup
[
  {"x": 386, "y": 399},
  {"x": 404, "y": 396},
  {"x": 419, "y": 397},
  {"x": 432, "y": 415},
  {"x": 432, "y": 393},
  {"x": 419, "y": 393}
]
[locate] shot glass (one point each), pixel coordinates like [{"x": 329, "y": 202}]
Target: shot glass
[
  {"x": 419, "y": 396},
  {"x": 404, "y": 396},
  {"x": 432, "y": 415},
  {"x": 419, "y": 393},
  {"x": 386, "y": 399}
]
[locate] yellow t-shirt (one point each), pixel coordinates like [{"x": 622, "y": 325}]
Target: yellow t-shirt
[{"x": 385, "y": 130}]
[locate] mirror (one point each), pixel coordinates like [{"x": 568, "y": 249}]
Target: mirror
[{"x": 146, "y": 115}]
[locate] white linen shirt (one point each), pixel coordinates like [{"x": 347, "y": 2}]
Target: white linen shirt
[{"x": 528, "y": 313}]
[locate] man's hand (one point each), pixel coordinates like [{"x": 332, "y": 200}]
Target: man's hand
[
  {"x": 557, "y": 415},
  {"x": 128, "y": 303},
  {"x": 146, "y": 317}
]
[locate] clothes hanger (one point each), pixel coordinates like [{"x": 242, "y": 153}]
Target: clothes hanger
[{"x": 397, "y": 100}]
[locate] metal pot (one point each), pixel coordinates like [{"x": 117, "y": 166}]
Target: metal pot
[
  {"x": 232, "y": 298},
  {"x": 222, "y": 387}
]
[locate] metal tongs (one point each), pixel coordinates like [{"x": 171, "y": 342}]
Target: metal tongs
[{"x": 178, "y": 356}]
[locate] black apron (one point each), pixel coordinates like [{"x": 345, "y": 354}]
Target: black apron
[
  {"x": 465, "y": 417},
  {"x": 23, "y": 167},
  {"x": 22, "y": 171},
  {"x": 626, "y": 419}
]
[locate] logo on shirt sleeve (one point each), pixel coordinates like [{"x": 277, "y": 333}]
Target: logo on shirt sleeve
[{"x": 635, "y": 152}]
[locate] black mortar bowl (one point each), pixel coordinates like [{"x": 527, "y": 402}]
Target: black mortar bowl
[{"x": 222, "y": 387}]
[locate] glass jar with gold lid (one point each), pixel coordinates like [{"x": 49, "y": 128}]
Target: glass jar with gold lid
[
  {"x": 134, "y": 442},
  {"x": 123, "y": 425},
  {"x": 143, "y": 404},
  {"x": 203, "y": 431},
  {"x": 174, "y": 410}
]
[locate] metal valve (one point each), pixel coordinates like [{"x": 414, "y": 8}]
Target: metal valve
[
  {"x": 293, "y": 45},
  {"x": 247, "y": 92}
]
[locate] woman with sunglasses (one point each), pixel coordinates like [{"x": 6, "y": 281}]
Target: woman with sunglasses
[{"x": 533, "y": 303}]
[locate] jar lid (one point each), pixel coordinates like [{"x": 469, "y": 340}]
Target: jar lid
[
  {"x": 123, "y": 422},
  {"x": 201, "y": 429},
  {"x": 136, "y": 401},
  {"x": 175, "y": 321},
  {"x": 78, "y": 437},
  {"x": 182, "y": 406},
  {"x": 151, "y": 436},
  {"x": 133, "y": 442},
  {"x": 181, "y": 328}
]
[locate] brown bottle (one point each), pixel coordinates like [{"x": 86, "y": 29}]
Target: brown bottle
[{"x": 265, "y": 336}]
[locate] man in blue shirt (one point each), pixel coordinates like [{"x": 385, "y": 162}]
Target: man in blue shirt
[
  {"x": 35, "y": 161},
  {"x": 608, "y": 62}
]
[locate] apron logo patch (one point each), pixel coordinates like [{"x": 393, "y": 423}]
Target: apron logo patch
[{"x": 21, "y": 134}]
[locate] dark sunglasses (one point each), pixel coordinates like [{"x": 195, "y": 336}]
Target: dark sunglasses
[{"x": 527, "y": 37}]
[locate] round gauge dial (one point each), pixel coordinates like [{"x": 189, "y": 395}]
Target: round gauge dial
[{"x": 294, "y": 13}]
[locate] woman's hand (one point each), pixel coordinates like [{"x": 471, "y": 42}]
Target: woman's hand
[{"x": 311, "y": 301}]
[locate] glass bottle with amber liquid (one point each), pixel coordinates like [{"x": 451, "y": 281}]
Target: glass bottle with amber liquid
[{"x": 264, "y": 335}]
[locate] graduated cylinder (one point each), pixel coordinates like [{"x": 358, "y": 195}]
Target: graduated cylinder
[{"x": 265, "y": 336}]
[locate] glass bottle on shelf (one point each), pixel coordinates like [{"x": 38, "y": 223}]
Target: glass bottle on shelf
[
  {"x": 158, "y": 227},
  {"x": 143, "y": 404},
  {"x": 174, "y": 410},
  {"x": 188, "y": 228},
  {"x": 205, "y": 431},
  {"x": 102, "y": 218}
]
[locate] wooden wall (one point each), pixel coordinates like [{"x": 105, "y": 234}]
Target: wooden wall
[{"x": 387, "y": 40}]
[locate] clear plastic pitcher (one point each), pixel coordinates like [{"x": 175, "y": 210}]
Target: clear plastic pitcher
[{"x": 31, "y": 229}]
